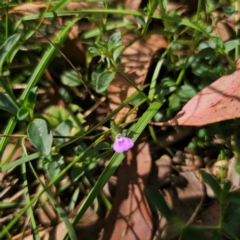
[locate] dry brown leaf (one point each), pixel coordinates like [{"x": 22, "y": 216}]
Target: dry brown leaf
[
  {"x": 161, "y": 172},
  {"x": 217, "y": 102},
  {"x": 28, "y": 8},
  {"x": 132, "y": 5},
  {"x": 135, "y": 62},
  {"x": 185, "y": 200},
  {"x": 210, "y": 216},
  {"x": 173, "y": 136},
  {"x": 183, "y": 6},
  {"x": 82, "y": 5},
  {"x": 221, "y": 26},
  {"x": 74, "y": 51},
  {"x": 130, "y": 217},
  {"x": 46, "y": 214},
  {"x": 41, "y": 231}
]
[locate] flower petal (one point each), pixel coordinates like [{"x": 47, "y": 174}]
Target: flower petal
[{"x": 122, "y": 144}]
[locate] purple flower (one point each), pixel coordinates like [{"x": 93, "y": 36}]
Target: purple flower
[{"x": 122, "y": 144}]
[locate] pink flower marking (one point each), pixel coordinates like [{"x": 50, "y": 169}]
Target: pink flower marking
[{"x": 122, "y": 144}]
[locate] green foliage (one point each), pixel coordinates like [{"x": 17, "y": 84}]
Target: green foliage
[
  {"x": 103, "y": 81},
  {"x": 213, "y": 183},
  {"x": 8, "y": 47},
  {"x": 110, "y": 51},
  {"x": 63, "y": 129},
  {"x": 157, "y": 201},
  {"x": 231, "y": 221},
  {"x": 22, "y": 113},
  {"x": 54, "y": 165},
  {"x": 7, "y": 104},
  {"x": 40, "y": 135},
  {"x": 71, "y": 78}
]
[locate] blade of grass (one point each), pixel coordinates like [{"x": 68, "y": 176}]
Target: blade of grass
[
  {"x": 154, "y": 80},
  {"x": 19, "y": 162},
  {"x": 25, "y": 185},
  {"x": 8, "y": 47}
]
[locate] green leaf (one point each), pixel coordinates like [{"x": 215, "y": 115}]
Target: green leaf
[
  {"x": 7, "y": 104},
  {"x": 77, "y": 172},
  {"x": 7, "y": 47},
  {"x": 231, "y": 221},
  {"x": 228, "y": 9},
  {"x": 71, "y": 78},
  {"x": 189, "y": 234},
  {"x": 22, "y": 113},
  {"x": 40, "y": 135},
  {"x": 104, "y": 80},
  {"x": 225, "y": 191},
  {"x": 237, "y": 165},
  {"x": 233, "y": 197},
  {"x": 116, "y": 55},
  {"x": 137, "y": 100},
  {"x": 230, "y": 45},
  {"x": 94, "y": 51},
  {"x": 103, "y": 146},
  {"x": 141, "y": 20},
  {"x": 194, "y": 26},
  {"x": 157, "y": 201},
  {"x": 212, "y": 182},
  {"x": 32, "y": 97},
  {"x": 175, "y": 103},
  {"x": 159, "y": 116},
  {"x": 186, "y": 92},
  {"x": 206, "y": 53},
  {"x": 101, "y": 44},
  {"x": 114, "y": 41},
  {"x": 55, "y": 166},
  {"x": 63, "y": 129}
]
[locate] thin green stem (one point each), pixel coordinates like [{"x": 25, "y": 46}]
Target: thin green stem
[
  {"x": 199, "y": 9},
  {"x": 25, "y": 184}
]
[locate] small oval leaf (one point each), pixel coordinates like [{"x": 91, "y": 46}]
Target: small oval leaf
[
  {"x": 71, "y": 78},
  {"x": 55, "y": 166},
  {"x": 104, "y": 80},
  {"x": 40, "y": 135}
]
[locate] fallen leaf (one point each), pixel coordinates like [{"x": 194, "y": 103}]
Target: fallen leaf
[
  {"x": 217, "y": 102},
  {"x": 130, "y": 217},
  {"x": 135, "y": 63},
  {"x": 28, "y": 8},
  {"x": 185, "y": 198}
]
